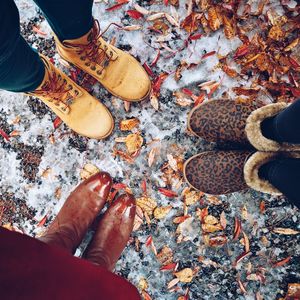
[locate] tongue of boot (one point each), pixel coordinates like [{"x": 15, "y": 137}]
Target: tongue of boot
[{"x": 84, "y": 40}]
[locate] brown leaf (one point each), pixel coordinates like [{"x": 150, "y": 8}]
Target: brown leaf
[
  {"x": 129, "y": 124},
  {"x": 214, "y": 18},
  {"x": 229, "y": 27},
  {"x": 133, "y": 142},
  {"x": 138, "y": 219},
  {"x": 165, "y": 256},
  {"x": 276, "y": 33},
  {"x": 294, "y": 290},
  {"x": 191, "y": 22}
]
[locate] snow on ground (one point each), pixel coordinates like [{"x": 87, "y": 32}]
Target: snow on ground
[{"x": 65, "y": 156}]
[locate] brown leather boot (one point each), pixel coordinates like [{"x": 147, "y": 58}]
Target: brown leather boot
[
  {"x": 236, "y": 122},
  {"x": 120, "y": 73},
  {"x": 75, "y": 106},
  {"x": 223, "y": 172},
  {"x": 79, "y": 211},
  {"x": 112, "y": 234}
]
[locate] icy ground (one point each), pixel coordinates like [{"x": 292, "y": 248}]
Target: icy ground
[{"x": 40, "y": 166}]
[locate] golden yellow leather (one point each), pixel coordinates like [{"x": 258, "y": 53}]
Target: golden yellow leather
[
  {"x": 76, "y": 107},
  {"x": 120, "y": 73}
]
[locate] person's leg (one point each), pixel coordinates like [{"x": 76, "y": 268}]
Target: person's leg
[
  {"x": 79, "y": 41},
  {"x": 69, "y": 19},
  {"x": 284, "y": 174},
  {"x": 30, "y": 269},
  {"x": 21, "y": 69},
  {"x": 284, "y": 127}
]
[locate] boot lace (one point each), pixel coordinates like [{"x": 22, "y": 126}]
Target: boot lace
[
  {"x": 57, "y": 90},
  {"x": 96, "y": 51}
]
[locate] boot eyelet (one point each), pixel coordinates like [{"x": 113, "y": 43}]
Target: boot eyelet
[
  {"x": 93, "y": 68},
  {"x": 87, "y": 64},
  {"x": 99, "y": 72},
  {"x": 65, "y": 80},
  {"x": 70, "y": 87},
  {"x": 76, "y": 92}
]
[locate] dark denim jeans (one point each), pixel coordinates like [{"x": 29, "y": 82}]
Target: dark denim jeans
[
  {"x": 284, "y": 174},
  {"x": 21, "y": 69}
]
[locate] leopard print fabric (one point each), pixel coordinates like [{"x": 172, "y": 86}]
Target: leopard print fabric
[
  {"x": 217, "y": 172},
  {"x": 221, "y": 121}
]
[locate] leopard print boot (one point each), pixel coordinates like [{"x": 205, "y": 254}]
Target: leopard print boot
[
  {"x": 224, "y": 172},
  {"x": 217, "y": 172},
  {"x": 228, "y": 121}
]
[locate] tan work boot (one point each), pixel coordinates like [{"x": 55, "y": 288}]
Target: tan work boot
[
  {"x": 120, "y": 73},
  {"x": 112, "y": 234},
  {"x": 76, "y": 107},
  {"x": 78, "y": 212}
]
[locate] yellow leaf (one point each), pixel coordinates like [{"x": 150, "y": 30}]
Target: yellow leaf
[
  {"x": 211, "y": 228},
  {"x": 133, "y": 142},
  {"x": 88, "y": 171},
  {"x": 192, "y": 197},
  {"x": 161, "y": 212},
  {"x": 146, "y": 204},
  {"x": 286, "y": 231},
  {"x": 211, "y": 220},
  {"x": 143, "y": 284},
  {"x": 185, "y": 275}
]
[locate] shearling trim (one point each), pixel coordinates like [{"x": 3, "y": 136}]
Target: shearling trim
[
  {"x": 252, "y": 165},
  {"x": 251, "y": 173},
  {"x": 254, "y": 134}
]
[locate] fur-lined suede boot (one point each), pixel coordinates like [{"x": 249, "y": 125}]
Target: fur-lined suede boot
[
  {"x": 224, "y": 172},
  {"x": 236, "y": 122},
  {"x": 120, "y": 73}
]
